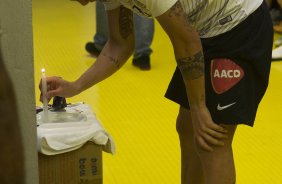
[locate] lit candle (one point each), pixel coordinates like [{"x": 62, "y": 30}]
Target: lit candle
[{"x": 45, "y": 100}]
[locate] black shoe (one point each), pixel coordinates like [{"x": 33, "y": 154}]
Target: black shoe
[
  {"x": 92, "y": 49},
  {"x": 142, "y": 62}
]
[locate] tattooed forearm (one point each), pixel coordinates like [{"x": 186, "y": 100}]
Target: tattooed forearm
[
  {"x": 113, "y": 60},
  {"x": 192, "y": 67},
  {"x": 125, "y": 22}
]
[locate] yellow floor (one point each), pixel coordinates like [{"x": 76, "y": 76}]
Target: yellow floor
[{"x": 132, "y": 108}]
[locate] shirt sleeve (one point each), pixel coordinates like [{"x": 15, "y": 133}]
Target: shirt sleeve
[
  {"x": 159, "y": 7},
  {"x": 111, "y": 4}
]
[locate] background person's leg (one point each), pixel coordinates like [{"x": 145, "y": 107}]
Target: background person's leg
[
  {"x": 101, "y": 35},
  {"x": 144, "y": 33}
]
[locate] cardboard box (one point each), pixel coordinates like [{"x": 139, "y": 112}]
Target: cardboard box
[{"x": 82, "y": 166}]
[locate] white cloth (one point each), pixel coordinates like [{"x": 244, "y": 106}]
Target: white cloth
[
  {"x": 277, "y": 53},
  {"x": 55, "y": 137}
]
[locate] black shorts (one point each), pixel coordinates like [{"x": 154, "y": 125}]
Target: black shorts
[{"x": 237, "y": 67}]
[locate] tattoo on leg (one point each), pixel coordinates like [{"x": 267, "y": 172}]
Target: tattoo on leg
[
  {"x": 125, "y": 22},
  {"x": 192, "y": 67},
  {"x": 113, "y": 60}
]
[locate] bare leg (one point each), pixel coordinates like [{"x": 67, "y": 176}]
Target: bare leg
[
  {"x": 218, "y": 166},
  {"x": 191, "y": 168},
  {"x": 197, "y": 166}
]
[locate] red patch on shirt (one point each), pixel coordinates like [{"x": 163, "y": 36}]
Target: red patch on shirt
[{"x": 225, "y": 74}]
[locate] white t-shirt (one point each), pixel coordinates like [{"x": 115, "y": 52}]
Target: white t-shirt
[{"x": 210, "y": 17}]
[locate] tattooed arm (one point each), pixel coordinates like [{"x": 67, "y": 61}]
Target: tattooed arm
[
  {"x": 188, "y": 52},
  {"x": 117, "y": 50},
  {"x": 190, "y": 61}
]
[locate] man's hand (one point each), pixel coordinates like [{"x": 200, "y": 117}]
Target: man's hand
[
  {"x": 56, "y": 86},
  {"x": 207, "y": 133}
]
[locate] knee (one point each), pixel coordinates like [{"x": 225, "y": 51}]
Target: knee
[{"x": 218, "y": 151}]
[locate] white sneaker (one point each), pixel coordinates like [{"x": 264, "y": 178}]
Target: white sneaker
[{"x": 277, "y": 54}]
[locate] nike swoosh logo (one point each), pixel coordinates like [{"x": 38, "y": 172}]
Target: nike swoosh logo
[{"x": 220, "y": 108}]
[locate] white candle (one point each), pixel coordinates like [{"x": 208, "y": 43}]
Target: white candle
[{"x": 44, "y": 93}]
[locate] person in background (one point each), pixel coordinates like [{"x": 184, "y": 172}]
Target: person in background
[
  {"x": 275, "y": 10},
  {"x": 220, "y": 78},
  {"x": 11, "y": 154},
  {"x": 144, "y": 32}
]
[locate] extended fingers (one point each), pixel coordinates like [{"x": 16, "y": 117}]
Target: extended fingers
[
  {"x": 203, "y": 144},
  {"x": 52, "y": 93},
  {"x": 52, "y": 83},
  {"x": 218, "y": 128},
  {"x": 216, "y": 134},
  {"x": 207, "y": 142},
  {"x": 212, "y": 140},
  {"x": 208, "y": 138}
]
